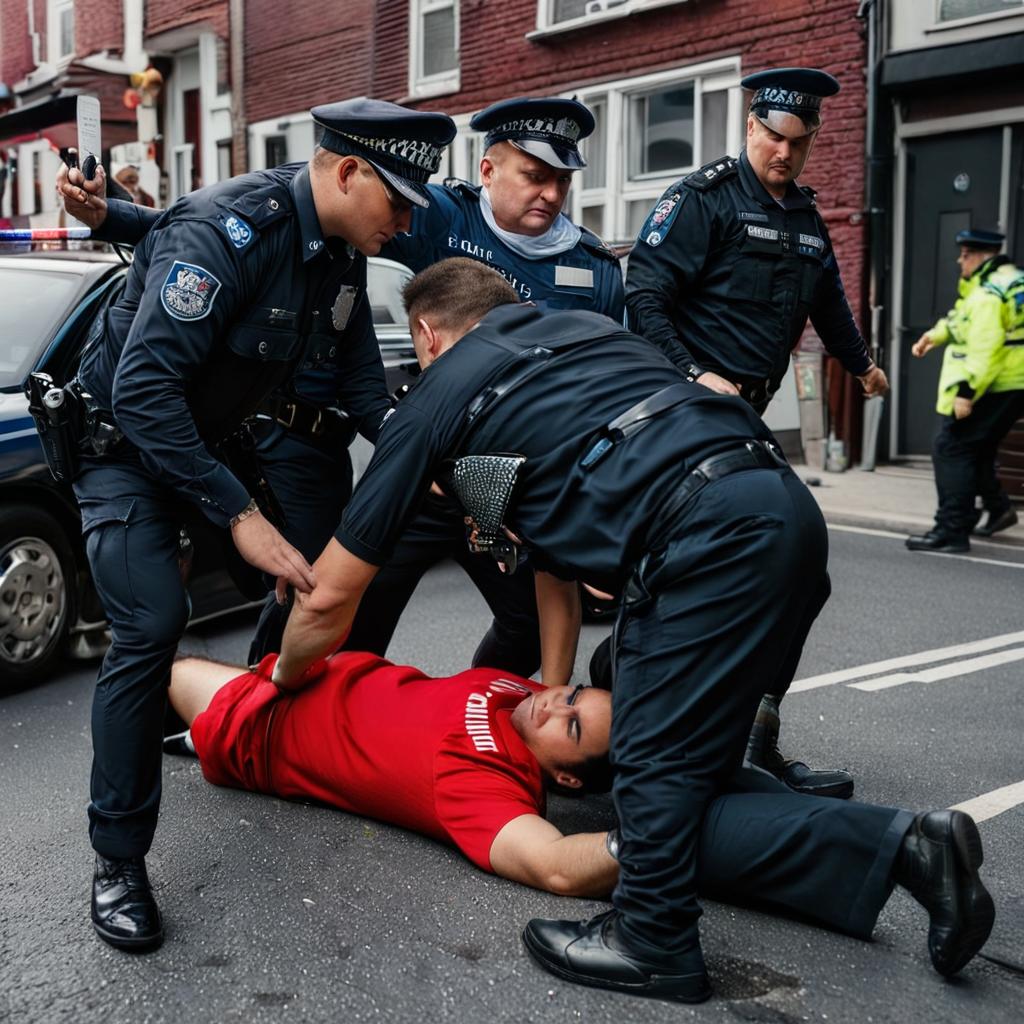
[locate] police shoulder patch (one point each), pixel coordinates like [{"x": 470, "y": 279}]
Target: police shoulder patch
[
  {"x": 239, "y": 233},
  {"x": 661, "y": 217},
  {"x": 188, "y": 291}
]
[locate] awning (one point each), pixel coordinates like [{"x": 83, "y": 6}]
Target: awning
[
  {"x": 989, "y": 57},
  {"x": 34, "y": 117}
]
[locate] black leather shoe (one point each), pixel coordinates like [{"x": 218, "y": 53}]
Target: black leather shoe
[
  {"x": 124, "y": 912},
  {"x": 180, "y": 745},
  {"x": 938, "y": 863},
  {"x": 996, "y": 521},
  {"x": 591, "y": 953},
  {"x": 763, "y": 752},
  {"x": 944, "y": 543}
]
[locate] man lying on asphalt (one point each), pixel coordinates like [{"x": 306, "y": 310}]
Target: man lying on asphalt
[{"x": 466, "y": 760}]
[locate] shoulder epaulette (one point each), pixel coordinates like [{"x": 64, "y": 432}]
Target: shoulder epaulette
[
  {"x": 262, "y": 206},
  {"x": 461, "y": 186},
  {"x": 596, "y": 245},
  {"x": 712, "y": 175}
]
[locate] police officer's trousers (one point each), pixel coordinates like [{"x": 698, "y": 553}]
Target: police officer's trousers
[
  {"x": 131, "y": 526},
  {"x": 313, "y": 484},
  {"x": 711, "y": 621},
  {"x": 964, "y": 457}
]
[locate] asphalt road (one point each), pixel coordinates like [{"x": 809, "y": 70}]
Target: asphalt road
[{"x": 279, "y": 911}]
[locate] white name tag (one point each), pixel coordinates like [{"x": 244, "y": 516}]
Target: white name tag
[
  {"x": 574, "y": 277},
  {"x": 812, "y": 240},
  {"x": 765, "y": 234}
]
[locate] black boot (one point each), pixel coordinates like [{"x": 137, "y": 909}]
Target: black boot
[
  {"x": 998, "y": 519},
  {"x": 939, "y": 541},
  {"x": 592, "y": 953},
  {"x": 124, "y": 912},
  {"x": 763, "y": 752},
  {"x": 938, "y": 863}
]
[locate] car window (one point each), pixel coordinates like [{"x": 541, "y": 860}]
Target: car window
[
  {"x": 384, "y": 284},
  {"x": 32, "y": 304}
]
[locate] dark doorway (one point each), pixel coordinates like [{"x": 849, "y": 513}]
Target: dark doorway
[
  {"x": 193, "y": 135},
  {"x": 953, "y": 182}
]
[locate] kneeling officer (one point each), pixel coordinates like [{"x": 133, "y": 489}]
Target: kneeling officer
[
  {"x": 218, "y": 306},
  {"x": 583, "y": 441}
]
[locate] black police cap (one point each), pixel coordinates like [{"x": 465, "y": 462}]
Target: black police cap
[
  {"x": 546, "y": 127},
  {"x": 404, "y": 146},
  {"x": 976, "y": 238},
  {"x": 783, "y": 93}
]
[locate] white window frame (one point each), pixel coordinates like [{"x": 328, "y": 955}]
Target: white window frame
[
  {"x": 970, "y": 19},
  {"x": 54, "y": 10},
  {"x": 422, "y": 86},
  {"x": 299, "y": 130},
  {"x": 619, "y": 190},
  {"x": 612, "y": 10}
]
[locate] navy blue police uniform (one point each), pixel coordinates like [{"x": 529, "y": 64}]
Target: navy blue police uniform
[
  {"x": 233, "y": 289},
  {"x": 724, "y": 277},
  {"x": 577, "y": 272},
  {"x": 698, "y": 523}
]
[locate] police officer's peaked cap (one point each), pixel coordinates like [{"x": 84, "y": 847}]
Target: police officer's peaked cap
[
  {"x": 546, "y": 127},
  {"x": 782, "y": 94},
  {"x": 976, "y": 238},
  {"x": 404, "y": 146}
]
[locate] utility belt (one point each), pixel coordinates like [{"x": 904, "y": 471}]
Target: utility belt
[
  {"x": 326, "y": 427},
  {"x": 70, "y": 423},
  {"x": 752, "y": 455},
  {"x": 755, "y": 390}
]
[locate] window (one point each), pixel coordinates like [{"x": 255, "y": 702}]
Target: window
[
  {"x": 433, "y": 47},
  {"x": 954, "y": 10},
  {"x": 563, "y": 15},
  {"x": 60, "y": 31},
  {"x": 651, "y": 130},
  {"x": 223, "y": 159},
  {"x": 275, "y": 150}
]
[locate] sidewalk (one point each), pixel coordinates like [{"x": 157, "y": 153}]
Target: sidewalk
[{"x": 899, "y": 498}]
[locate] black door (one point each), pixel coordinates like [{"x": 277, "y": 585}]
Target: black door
[{"x": 953, "y": 183}]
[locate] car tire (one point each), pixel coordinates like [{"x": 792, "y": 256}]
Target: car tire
[{"x": 37, "y": 594}]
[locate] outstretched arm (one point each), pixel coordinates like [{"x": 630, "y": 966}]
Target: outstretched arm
[
  {"x": 532, "y": 851},
  {"x": 560, "y": 615}
]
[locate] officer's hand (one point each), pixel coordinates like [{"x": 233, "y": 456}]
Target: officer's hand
[
  {"x": 923, "y": 345},
  {"x": 260, "y": 544},
  {"x": 963, "y": 407},
  {"x": 84, "y": 200},
  {"x": 716, "y": 383},
  {"x": 874, "y": 382}
]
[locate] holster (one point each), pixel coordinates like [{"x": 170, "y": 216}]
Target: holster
[
  {"x": 58, "y": 419},
  {"x": 238, "y": 452}
]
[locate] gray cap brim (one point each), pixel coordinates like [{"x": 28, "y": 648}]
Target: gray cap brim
[
  {"x": 416, "y": 194},
  {"x": 564, "y": 158}
]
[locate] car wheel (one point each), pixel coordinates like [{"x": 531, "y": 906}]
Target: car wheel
[{"x": 37, "y": 580}]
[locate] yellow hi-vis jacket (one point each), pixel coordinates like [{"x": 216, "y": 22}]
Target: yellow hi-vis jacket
[{"x": 985, "y": 332}]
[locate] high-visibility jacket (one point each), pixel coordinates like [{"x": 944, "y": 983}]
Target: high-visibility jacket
[{"x": 985, "y": 335}]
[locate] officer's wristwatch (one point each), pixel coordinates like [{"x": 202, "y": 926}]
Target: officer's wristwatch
[
  {"x": 250, "y": 510},
  {"x": 612, "y": 842}
]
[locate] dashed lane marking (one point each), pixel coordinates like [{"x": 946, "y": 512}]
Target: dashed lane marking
[
  {"x": 932, "y": 675},
  {"x": 870, "y": 532},
  {"x": 988, "y": 805},
  {"x": 874, "y": 668}
]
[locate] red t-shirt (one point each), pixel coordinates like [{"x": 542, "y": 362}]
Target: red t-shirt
[{"x": 438, "y": 756}]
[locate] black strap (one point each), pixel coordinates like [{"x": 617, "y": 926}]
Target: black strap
[{"x": 633, "y": 420}]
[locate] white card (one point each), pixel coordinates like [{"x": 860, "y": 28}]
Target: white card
[{"x": 89, "y": 143}]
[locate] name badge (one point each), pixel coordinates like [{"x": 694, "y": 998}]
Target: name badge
[
  {"x": 573, "y": 277},
  {"x": 765, "y": 234}
]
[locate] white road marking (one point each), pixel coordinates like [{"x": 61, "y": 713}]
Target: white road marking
[
  {"x": 988, "y": 805},
  {"x": 870, "y": 532},
  {"x": 845, "y": 675},
  {"x": 931, "y": 675}
]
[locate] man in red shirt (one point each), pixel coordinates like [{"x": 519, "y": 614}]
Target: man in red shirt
[{"x": 466, "y": 760}]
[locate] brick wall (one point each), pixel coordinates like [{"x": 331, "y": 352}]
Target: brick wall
[
  {"x": 299, "y": 54},
  {"x": 99, "y": 25},
  {"x": 15, "y": 46},
  {"x": 164, "y": 15}
]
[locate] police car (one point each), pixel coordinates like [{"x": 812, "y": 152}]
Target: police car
[{"x": 48, "y": 607}]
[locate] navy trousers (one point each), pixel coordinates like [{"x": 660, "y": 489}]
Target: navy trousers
[
  {"x": 313, "y": 487},
  {"x": 710, "y": 622},
  {"x": 131, "y": 526},
  {"x": 827, "y": 861},
  {"x": 964, "y": 457}
]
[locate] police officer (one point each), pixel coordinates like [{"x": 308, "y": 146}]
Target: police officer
[
  {"x": 981, "y": 392},
  {"x": 514, "y": 224},
  {"x": 728, "y": 267},
  {"x": 583, "y": 442},
  {"x": 227, "y": 292}
]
